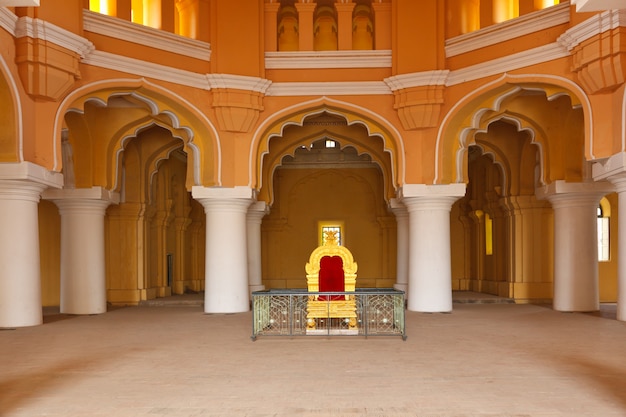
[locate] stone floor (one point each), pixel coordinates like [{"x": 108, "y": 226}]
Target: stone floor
[{"x": 486, "y": 358}]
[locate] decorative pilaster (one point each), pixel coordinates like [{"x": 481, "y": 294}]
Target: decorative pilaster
[
  {"x": 430, "y": 270},
  {"x": 344, "y": 24},
  {"x": 237, "y": 100},
  {"x": 418, "y": 98},
  {"x": 597, "y": 50},
  {"x": 47, "y": 70},
  {"x": 256, "y": 212},
  {"x": 83, "y": 272},
  {"x": 402, "y": 262},
  {"x": 271, "y": 28},
  {"x": 382, "y": 24},
  {"x": 20, "y": 280},
  {"x": 575, "y": 207},
  {"x": 305, "y": 23},
  {"x": 226, "y": 270}
]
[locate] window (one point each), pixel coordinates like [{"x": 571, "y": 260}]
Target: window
[
  {"x": 330, "y": 143},
  {"x": 488, "y": 235},
  {"x": 331, "y": 229},
  {"x": 103, "y": 6},
  {"x": 603, "y": 231}
]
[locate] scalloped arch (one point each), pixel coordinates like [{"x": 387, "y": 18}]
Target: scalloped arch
[
  {"x": 295, "y": 115},
  {"x": 167, "y": 109},
  {"x": 467, "y": 117}
]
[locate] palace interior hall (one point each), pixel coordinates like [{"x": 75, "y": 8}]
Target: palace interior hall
[{"x": 165, "y": 164}]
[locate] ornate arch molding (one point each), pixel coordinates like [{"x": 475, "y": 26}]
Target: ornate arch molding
[
  {"x": 487, "y": 104},
  {"x": 273, "y": 127},
  {"x": 161, "y": 107},
  {"x": 11, "y": 117}
]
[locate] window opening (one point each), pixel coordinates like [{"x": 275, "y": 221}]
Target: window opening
[
  {"x": 603, "y": 234},
  {"x": 331, "y": 230},
  {"x": 488, "y": 235}
]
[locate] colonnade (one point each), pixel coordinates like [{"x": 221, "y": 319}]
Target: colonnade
[
  {"x": 233, "y": 262},
  {"x": 347, "y": 26}
]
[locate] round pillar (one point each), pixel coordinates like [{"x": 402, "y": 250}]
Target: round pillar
[
  {"x": 83, "y": 273},
  {"x": 576, "y": 286},
  {"x": 256, "y": 212},
  {"x": 226, "y": 271},
  {"x": 620, "y": 186},
  {"x": 402, "y": 259},
  {"x": 430, "y": 271},
  {"x": 20, "y": 280}
]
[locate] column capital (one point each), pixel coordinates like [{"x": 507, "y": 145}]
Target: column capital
[
  {"x": 611, "y": 167},
  {"x": 428, "y": 197},
  {"x": 306, "y": 7},
  {"x": 258, "y": 210},
  {"x": 93, "y": 193},
  {"x": 398, "y": 208},
  {"x": 432, "y": 190},
  {"x": 27, "y": 171},
  {"x": 224, "y": 198},
  {"x": 561, "y": 193},
  {"x": 221, "y": 193}
]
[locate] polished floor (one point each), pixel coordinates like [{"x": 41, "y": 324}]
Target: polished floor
[{"x": 486, "y": 358}]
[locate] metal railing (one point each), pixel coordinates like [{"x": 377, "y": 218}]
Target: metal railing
[{"x": 380, "y": 312}]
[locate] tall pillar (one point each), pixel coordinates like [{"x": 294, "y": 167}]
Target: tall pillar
[
  {"x": 83, "y": 276},
  {"x": 575, "y": 207},
  {"x": 430, "y": 270},
  {"x": 344, "y": 24},
  {"x": 402, "y": 247},
  {"x": 305, "y": 24},
  {"x": 382, "y": 25},
  {"x": 226, "y": 271},
  {"x": 256, "y": 212},
  {"x": 619, "y": 182},
  {"x": 271, "y": 26},
  {"x": 20, "y": 277}
]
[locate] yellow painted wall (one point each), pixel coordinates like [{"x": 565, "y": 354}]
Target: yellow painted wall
[
  {"x": 50, "y": 253},
  {"x": 306, "y": 196}
]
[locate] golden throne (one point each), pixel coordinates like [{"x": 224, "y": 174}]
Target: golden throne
[{"x": 331, "y": 268}]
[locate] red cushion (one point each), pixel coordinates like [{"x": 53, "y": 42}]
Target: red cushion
[{"x": 331, "y": 277}]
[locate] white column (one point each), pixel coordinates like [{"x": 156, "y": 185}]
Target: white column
[
  {"x": 20, "y": 276},
  {"x": 620, "y": 185},
  {"x": 402, "y": 259},
  {"x": 226, "y": 271},
  {"x": 83, "y": 274},
  {"x": 575, "y": 205},
  {"x": 430, "y": 270},
  {"x": 256, "y": 212},
  {"x": 614, "y": 170}
]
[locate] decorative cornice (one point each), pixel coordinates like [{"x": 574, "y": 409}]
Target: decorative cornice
[
  {"x": 146, "y": 69},
  {"x": 418, "y": 79},
  {"x": 508, "y": 63},
  {"x": 238, "y": 82},
  {"x": 591, "y": 27},
  {"x": 328, "y": 59},
  {"x": 40, "y": 29},
  {"x": 8, "y": 20},
  {"x": 597, "y": 5},
  {"x": 117, "y": 28},
  {"x": 328, "y": 89},
  {"x": 19, "y": 3},
  {"x": 514, "y": 28}
]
